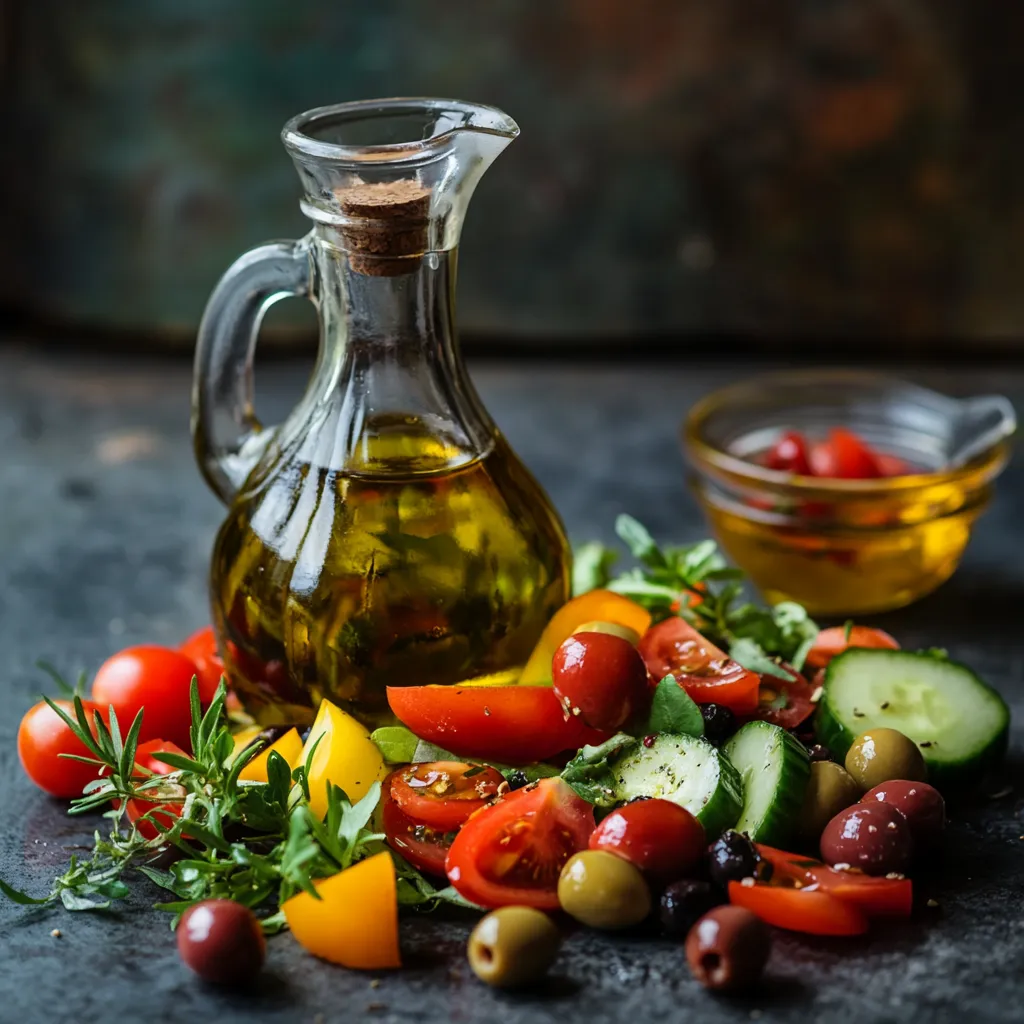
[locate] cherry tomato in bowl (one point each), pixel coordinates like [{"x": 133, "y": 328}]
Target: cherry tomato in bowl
[
  {"x": 844, "y": 456},
  {"x": 155, "y": 679},
  {"x": 43, "y": 737},
  {"x": 512, "y": 852},
  {"x": 662, "y": 839},
  {"x": 443, "y": 794},
  {"x": 601, "y": 678},
  {"x": 790, "y": 454},
  {"x": 708, "y": 674}
]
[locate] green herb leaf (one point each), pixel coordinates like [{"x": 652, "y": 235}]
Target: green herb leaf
[
  {"x": 752, "y": 656},
  {"x": 430, "y": 752},
  {"x": 23, "y": 898},
  {"x": 591, "y": 567},
  {"x": 674, "y": 711},
  {"x": 589, "y": 773},
  {"x": 396, "y": 744},
  {"x": 640, "y": 543}
]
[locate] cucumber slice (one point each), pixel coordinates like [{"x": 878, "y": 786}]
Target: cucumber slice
[
  {"x": 688, "y": 771},
  {"x": 959, "y": 723},
  {"x": 775, "y": 769}
]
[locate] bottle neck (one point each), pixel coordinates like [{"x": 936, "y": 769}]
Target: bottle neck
[{"x": 390, "y": 385}]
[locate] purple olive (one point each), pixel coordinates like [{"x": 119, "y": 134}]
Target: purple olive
[
  {"x": 728, "y": 948},
  {"x": 222, "y": 942},
  {"x": 873, "y": 837},
  {"x": 922, "y": 805}
]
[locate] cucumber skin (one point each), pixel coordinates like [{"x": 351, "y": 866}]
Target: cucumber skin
[
  {"x": 780, "y": 823},
  {"x": 945, "y": 776}
]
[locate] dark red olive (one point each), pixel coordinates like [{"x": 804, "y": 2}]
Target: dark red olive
[
  {"x": 600, "y": 677},
  {"x": 683, "y": 903},
  {"x": 922, "y": 805},
  {"x": 222, "y": 942},
  {"x": 873, "y": 837},
  {"x": 728, "y": 948}
]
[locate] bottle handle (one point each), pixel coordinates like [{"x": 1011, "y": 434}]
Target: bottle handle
[{"x": 227, "y": 436}]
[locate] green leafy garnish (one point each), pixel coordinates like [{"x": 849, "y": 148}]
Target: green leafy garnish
[
  {"x": 589, "y": 773},
  {"x": 674, "y": 711},
  {"x": 591, "y": 567},
  {"x": 396, "y": 744}
]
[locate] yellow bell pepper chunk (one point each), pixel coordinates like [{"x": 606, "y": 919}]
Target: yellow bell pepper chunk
[
  {"x": 289, "y": 746},
  {"x": 346, "y": 756},
  {"x": 355, "y": 921},
  {"x": 596, "y": 606}
]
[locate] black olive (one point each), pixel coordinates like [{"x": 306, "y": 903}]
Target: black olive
[
  {"x": 682, "y": 903},
  {"x": 719, "y": 723},
  {"x": 818, "y": 752},
  {"x": 731, "y": 858},
  {"x": 516, "y": 779},
  {"x": 272, "y": 734}
]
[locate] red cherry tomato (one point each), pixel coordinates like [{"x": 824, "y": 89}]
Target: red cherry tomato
[
  {"x": 789, "y": 454},
  {"x": 157, "y": 679},
  {"x": 601, "y": 678},
  {"x": 708, "y": 675},
  {"x": 834, "y": 640},
  {"x": 443, "y": 794},
  {"x": 873, "y": 896},
  {"x": 165, "y": 813},
  {"x": 201, "y": 649},
  {"x": 799, "y": 910},
  {"x": 662, "y": 839},
  {"x": 423, "y": 847},
  {"x": 785, "y": 702},
  {"x": 43, "y": 736},
  {"x": 512, "y": 852},
  {"x": 514, "y": 724},
  {"x": 892, "y": 465},
  {"x": 844, "y": 456}
]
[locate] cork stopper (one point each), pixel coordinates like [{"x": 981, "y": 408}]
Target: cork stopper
[{"x": 390, "y": 221}]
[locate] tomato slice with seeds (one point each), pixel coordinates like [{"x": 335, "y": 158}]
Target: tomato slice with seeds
[
  {"x": 423, "y": 847},
  {"x": 785, "y": 702},
  {"x": 443, "y": 794},
  {"x": 512, "y": 852},
  {"x": 707, "y": 674}
]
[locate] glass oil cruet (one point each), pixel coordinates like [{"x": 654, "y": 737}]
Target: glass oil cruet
[{"x": 384, "y": 534}]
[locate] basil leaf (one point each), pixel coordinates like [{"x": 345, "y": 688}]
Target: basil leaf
[
  {"x": 431, "y": 752},
  {"x": 674, "y": 711},
  {"x": 589, "y": 773},
  {"x": 639, "y": 541},
  {"x": 751, "y": 655},
  {"x": 396, "y": 743},
  {"x": 591, "y": 567}
]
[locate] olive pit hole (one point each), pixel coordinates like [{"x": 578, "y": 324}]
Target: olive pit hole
[{"x": 711, "y": 963}]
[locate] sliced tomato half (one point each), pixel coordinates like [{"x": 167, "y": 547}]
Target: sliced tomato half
[
  {"x": 515, "y": 724},
  {"x": 799, "y": 910},
  {"x": 423, "y": 847},
  {"x": 785, "y": 702},
  {"x": 512, "y": 852},
  {"x": 707, "y": 674},
  {"x": 443, "y": 794},
  {"x": 833, "y": 641},
  {"x": 844, "y": 456}
]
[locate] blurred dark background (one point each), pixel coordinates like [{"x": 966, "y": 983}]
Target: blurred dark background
[{"x": 818, "y": 174}]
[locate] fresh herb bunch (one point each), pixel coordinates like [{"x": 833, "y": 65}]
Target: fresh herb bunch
[
  {"x": 256, "y": 843},
  {"x": 695, "y": 583}
]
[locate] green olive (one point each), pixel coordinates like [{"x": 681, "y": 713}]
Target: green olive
[
  {"x": 513, "y": 946},
  {"x": 614, "y": 628},
  {"x": 830, "y": 789},
  {"x": 603, "y": 891},
  {"x": 880, "y": 755}
]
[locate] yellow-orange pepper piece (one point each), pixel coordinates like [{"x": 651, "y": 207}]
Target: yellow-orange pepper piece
[
  {"x": 345, "y": 756},
  {"x": 289, "y": 746},
  {"x": 355, "y": 921},
  {"x": 596, "y": 606}
]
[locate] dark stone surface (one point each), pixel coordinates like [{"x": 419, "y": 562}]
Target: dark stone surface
[{"x": 104, "y": 532}]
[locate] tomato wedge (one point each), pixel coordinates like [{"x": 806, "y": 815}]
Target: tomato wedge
[
  {"x": 443, "y": 794},
  {"x": 844, "y": 456},
  {"x": 875, "y": 897},
  {"x": 834, "y": 640},
  {"x": 423, "y": 847},
  {"x": 707, "y": 674},
  {"x": 516, "y": 724},
  {"x": 785, "y": 702},
  {"x": 789, "y": 454},
  {"x": 512, "y": 852},
  {"x": 799, "y": 910}
]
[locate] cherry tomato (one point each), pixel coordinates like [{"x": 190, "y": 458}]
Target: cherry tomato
[
  {"x": 201, "y": 649},
  {"x": 512, "y": 852},
  {"x": 873, "y": 896},
  {"x": 601, "y": 678},
  {"x": 423, "y": 847},
  {"x": 789, "y": 454},
  {"x": 659, "y": 837},
  {"x": 785, "y": 702},
  {"x": 155, "y": 678},
  {"x": 165, "y": 813},
  {"x": 844, "y": 456},
  {"x": 443, "y": 794},
  {"x": 799, "y": 910},
  {"x": 43, "y": 736},
  {"x": 834, "y": 641},
  {"x": 515, "y": 724},
  {"x": 707, "y": 674},
  {"x": 892, "y": 465}
]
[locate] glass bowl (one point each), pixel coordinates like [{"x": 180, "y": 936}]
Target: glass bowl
[{"x": 845, "y": 547}]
